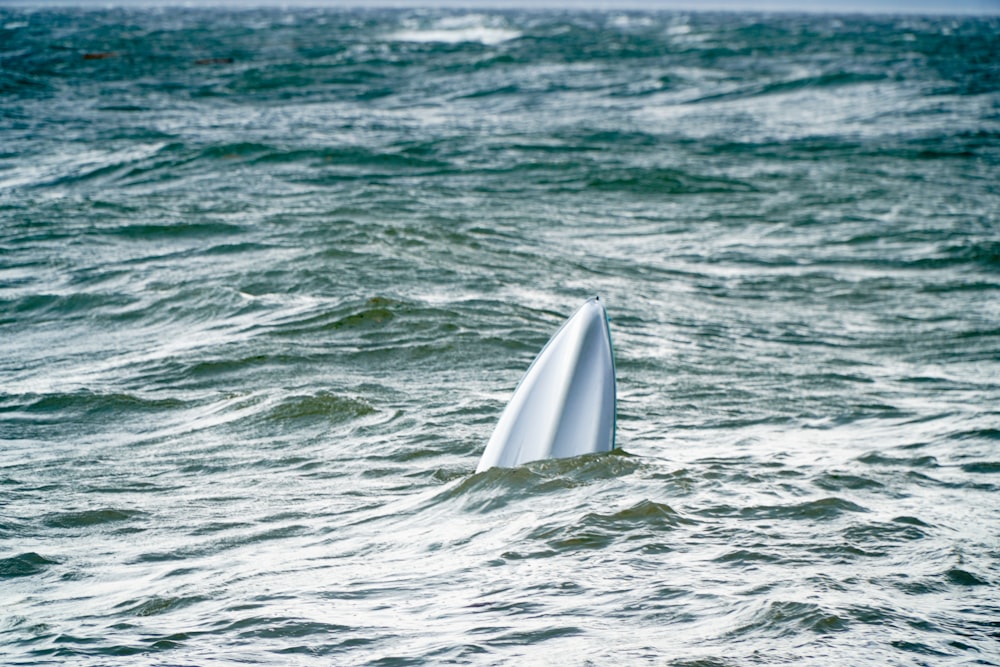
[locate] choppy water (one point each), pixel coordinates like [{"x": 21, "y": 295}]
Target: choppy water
[{"x": 267, "y": 279}]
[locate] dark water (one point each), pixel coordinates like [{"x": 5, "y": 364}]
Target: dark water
[{"x": 267, "y": 279}]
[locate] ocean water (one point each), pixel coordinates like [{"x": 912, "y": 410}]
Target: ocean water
[{"x": 268, "y": 277}]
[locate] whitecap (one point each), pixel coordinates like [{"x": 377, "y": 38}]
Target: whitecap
[{"x": 458, "y": 30}]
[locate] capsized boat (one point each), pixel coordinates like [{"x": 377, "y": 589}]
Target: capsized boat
[{"x": 565, "y": 403}]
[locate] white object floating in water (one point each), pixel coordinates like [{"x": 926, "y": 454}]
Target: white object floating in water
[{"x": 565, "y": 404}]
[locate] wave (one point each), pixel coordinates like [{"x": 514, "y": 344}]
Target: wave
[
  {"x": 478, "y": 28},
  {"x": 69, "y": 166},
  {"x": 87, "y": 402},
  {"x": 24, "y": 565},
  {"x": 330, "y": 408},
  {"x": 89, "y": 518}
]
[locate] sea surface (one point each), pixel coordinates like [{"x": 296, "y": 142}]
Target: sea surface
[{"x": 268, "y": 278}]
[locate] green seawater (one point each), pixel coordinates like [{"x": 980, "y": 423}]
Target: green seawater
[{"x": 268, "y": 278}]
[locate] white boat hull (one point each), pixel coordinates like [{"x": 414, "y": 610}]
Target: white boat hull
[{"x": 565, "y": 403}]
